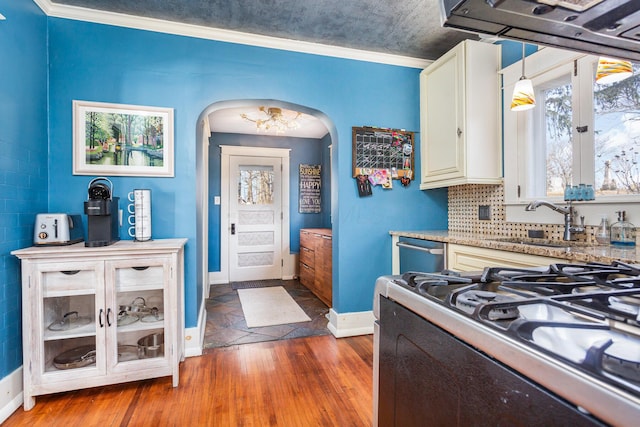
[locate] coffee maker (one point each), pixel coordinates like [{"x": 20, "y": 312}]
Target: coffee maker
[{"x": 102, "y": 214}]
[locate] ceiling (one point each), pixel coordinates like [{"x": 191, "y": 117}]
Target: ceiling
[
  {"x": 406, "y": 28},
  {"x": 229, "y": 120},
  {"x": 401, "y": 27}
]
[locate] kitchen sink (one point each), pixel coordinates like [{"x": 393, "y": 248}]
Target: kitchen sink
[{"x": 544, "y": 242}]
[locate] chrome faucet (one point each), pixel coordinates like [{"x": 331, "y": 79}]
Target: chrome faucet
[{"x": 568, "y": 212}]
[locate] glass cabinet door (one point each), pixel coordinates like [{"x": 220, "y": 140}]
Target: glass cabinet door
[
  {"x": 137, "y": 296},
  {"x": 70, "y": 321}
]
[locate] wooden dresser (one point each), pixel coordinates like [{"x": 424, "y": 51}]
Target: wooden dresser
[{"x": 315, "y": 262}]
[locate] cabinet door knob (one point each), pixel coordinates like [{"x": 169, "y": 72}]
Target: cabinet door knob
[
  {"x": 108, "y": 317},
  {"x": 100, "y": 318},
  {"x": 459, "y": 131}
]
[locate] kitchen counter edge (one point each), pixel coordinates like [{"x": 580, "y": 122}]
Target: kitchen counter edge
[{"x": 597, "y": 253}]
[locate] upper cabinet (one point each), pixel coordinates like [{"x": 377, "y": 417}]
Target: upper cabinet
[{"x": 460, "y": 117}]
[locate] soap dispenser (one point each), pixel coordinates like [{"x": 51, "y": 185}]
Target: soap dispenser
[
  {"x": 623, "y": 233},
  {"x": 602, "y": 232}
]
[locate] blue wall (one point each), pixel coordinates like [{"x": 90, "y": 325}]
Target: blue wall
[
  {"x": 23, "y": 158},
  {"x": 109, "y": 64},
  {"x": 303, "y": 151},
  {"x": 512, "y": 51}
]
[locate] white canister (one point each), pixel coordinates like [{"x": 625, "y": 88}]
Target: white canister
[{"x": 140, "y": 214}]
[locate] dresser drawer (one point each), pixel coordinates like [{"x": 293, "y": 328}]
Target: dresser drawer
[
  {"x": 307, "y": 276},
  {"x": 70, "y": 278},
  {"x": 307, "y": 256},
  {"x": 133, "y": 278},
  {"x": 307, "y": 240}
]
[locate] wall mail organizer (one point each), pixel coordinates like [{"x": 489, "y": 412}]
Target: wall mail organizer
[{"x": 380, "y": 149}]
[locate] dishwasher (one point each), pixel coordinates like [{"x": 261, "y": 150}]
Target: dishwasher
[{"x": 421, "y": 255}]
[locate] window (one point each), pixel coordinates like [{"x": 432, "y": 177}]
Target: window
[
  {"x": 255, "y": 185},
  {"x": 579, "y": 132},
  {"x": 552, "y": 125},
  {"x": 616, "y": 111}
]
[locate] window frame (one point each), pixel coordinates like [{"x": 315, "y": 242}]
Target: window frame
[{"x": 543, "y": 66}]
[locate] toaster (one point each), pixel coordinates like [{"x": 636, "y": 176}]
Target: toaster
[{"x": 57, "y": 229}]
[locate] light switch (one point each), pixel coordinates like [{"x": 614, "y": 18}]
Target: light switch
[{"x": 216, "y": 200}]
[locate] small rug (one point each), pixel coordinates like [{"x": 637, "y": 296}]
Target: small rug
[
  {"x": 256, "y": 284},
  {"x": 270, "y": 306}
]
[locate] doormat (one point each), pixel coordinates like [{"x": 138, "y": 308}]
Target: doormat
[
  {"x": 256, "y": 284},
  {"x": 270, "y": 306}
]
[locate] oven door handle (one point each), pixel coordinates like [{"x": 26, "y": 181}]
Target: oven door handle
[{"x": 433, "y": 251}]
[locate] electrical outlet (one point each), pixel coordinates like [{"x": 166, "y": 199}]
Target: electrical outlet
[{"x": 484, "y": 212}]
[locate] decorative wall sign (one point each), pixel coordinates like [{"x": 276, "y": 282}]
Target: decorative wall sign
[
  {"x": 310, "y": 184},
  {"x": 383, "y": 149},
  {"x": 116, "y": 139}
]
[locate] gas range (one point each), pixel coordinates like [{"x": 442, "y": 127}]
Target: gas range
[{"x": 572, "y": 328}]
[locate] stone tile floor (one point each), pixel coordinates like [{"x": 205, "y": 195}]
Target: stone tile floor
[{"x": 226, "y": 325}]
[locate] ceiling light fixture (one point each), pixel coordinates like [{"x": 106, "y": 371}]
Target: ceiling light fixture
[
  {"x": 612, "y": 70},
  {"x": 523, "y": 97},
  {"x": 275, "y": 120}
]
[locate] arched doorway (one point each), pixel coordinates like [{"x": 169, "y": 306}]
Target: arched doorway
[{"x": 203, "y": 133}]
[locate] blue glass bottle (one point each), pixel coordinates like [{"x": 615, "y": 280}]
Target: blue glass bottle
[
  {"x": 568, "y": 193},
  {"x": 590, "y": 194}
]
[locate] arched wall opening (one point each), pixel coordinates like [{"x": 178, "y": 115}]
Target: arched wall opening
[{"x": 203, "y": 134}]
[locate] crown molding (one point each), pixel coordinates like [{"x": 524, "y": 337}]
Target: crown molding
[{"x": 198, "y": 31}]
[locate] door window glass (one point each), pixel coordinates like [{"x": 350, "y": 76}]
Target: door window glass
[{"x": 255, "y": 185}]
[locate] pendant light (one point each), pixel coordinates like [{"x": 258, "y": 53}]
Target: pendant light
[
  {"x": 612, "y": 70},
  {"x": 523, "y": 97}
]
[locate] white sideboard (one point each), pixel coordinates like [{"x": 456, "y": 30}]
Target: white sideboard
[{"x": 84, "y": 311}]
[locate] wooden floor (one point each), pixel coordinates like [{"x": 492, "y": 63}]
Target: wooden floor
[{"x": 313, "y": 381}]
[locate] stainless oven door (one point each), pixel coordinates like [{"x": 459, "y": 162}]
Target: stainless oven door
[{"x": 421, "y": 255}]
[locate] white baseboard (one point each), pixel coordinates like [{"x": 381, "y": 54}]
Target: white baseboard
[
  {"x": 194, "y": 337},
  {"x": 11, "y": 397},
  {"x": 218, "y": 278},
  {"x": 350, "y": 324}
]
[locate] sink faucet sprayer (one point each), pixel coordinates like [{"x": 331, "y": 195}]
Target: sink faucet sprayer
[{"x": 568, "y": 212}]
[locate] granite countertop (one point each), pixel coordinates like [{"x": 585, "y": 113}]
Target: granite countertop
[{"x": 574, "y": 251}]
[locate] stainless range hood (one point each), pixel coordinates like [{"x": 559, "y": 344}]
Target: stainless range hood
[{"x": 601, "y": 27}]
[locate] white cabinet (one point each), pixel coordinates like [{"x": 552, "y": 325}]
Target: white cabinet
[
  {"x": 471, "y": 258},
  {"x": 85, "y": 310},
  {"x": 460, "y": 117}
]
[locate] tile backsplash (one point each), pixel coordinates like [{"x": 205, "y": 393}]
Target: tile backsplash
[{"x": 465, "y": 200}]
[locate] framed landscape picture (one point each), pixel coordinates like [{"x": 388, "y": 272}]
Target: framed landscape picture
[{"x": 126, "y": 140}]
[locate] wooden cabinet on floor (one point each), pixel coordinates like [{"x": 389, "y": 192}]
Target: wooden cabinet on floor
[
  {"x": 90, "y": 314},
  {"x": 315, "y": 262}
]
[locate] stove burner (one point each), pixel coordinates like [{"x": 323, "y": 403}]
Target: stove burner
[
  {"x": 628, "y": 305},
  {"x": 619, "y": 357},
  {"x": 469, "y": 300},
  {"x": 414, "y": 278},
  {"x": 623, "y": 365},
  {"x": 617, "y": 275}
]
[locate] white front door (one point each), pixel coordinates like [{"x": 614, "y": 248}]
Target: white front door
[{"x": 255, "y": 218}]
